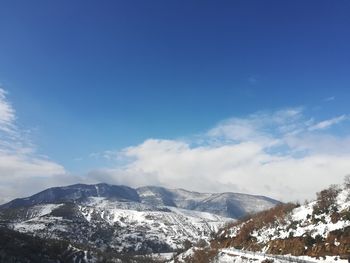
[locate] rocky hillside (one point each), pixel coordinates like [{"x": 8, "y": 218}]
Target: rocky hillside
[{"x": 315, "y": 230}]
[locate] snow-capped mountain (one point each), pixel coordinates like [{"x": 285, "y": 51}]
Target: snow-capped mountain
[
  {"x": 232, "y": 205},
  {"x": 123, "y": 219}
]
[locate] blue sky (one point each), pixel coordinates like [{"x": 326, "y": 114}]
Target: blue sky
[{"x": 86, "y": 78}]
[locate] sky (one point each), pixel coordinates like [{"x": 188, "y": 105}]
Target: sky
[{"x": 241, "y": 96}]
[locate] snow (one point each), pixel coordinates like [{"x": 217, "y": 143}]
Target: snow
[
  {"x": 343, "y": 199},
  {"x": 231, "y": 255},
  {"x": 37, "y": 224},
  {"x": 147, "y": 193},
  {"x": 301, "y": 212},
  {"x": 27, "y": 227},
  {"x": 41, "y": 210},
  {"x": 240, "y": 256}
]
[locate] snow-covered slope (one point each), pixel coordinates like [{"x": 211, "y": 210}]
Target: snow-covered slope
[
  {"x": 321, "y": 223},
  {"x": 318, "y": 231},
  {"x": 304, "y": 221},
  {"x": 123, "y": 226}
]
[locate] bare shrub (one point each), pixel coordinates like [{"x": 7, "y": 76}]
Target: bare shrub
[{"x": 326, "y": 200}]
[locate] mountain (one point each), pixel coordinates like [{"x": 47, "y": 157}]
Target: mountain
[
  {"x": 231, "y": 205},
  {"x": 77, "y": 192},
  {"x": 313, "y": 232},
  {"x": 126, "y": 220}
]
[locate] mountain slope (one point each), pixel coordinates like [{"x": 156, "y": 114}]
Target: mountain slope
[{"x": 124, "y": 227}]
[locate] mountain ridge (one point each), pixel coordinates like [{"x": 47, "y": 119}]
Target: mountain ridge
[{"x": 227, "y": 204}]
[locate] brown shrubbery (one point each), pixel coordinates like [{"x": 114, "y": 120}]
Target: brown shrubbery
[
  {"x": 326, "y": 200},
  {"x": 244, "y": 236}
]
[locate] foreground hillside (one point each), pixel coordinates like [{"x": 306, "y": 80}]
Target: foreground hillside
[
  {"x": 127, "y": 221},
  {"x": 316, "y": 230}
]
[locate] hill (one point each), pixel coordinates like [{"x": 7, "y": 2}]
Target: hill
[{"x": 318, "y": 230}]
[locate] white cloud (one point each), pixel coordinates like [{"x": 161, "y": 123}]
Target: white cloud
[
  {"x": 259, "y": 127},
  {"x": 274, "y": 154},
  {"x": 20, "y": 166},
  {"x": 328, "y": 123}
]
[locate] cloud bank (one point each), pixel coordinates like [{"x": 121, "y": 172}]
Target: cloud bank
[{"x": 281, "y": 154}]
